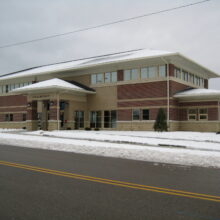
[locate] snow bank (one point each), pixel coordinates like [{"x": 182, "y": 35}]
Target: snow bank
[{"x": 129, "y": 151}]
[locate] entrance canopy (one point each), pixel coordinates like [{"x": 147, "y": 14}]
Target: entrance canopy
[{"x": 53, "y": 85}]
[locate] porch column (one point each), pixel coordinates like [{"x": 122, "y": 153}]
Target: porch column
[
  {"x": 32, "y": 116},
  {"x": 54, "y": 115}
]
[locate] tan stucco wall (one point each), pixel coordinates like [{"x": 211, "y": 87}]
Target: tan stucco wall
[
  {"x": 104, "y": 99},
  {"x": 15, "y": 125},
  {"x": 203, "y": 126}
]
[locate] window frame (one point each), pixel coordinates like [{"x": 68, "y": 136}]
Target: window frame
[
  {"x": 139, "y": 115},
  {"x": 192, "y": 114}
]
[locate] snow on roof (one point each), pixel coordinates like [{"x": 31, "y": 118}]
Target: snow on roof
[
  {"x": 87, "y": 62},
  {"x": 197, "y": 93},
  {"x": 55, "y": 84}
]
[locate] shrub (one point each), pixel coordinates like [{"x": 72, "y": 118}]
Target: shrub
[
  {"x": 161, "y": 122},
  {"x": 96, "y": 129},
  {"x": 88, "y": 129}
]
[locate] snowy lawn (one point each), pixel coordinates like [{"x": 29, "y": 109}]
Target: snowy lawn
[
  {"x": 130, "y": 145},
  {"x": 190, "y": 140}
]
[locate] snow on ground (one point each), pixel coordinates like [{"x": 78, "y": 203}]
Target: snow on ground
[
  {"x": 190, "y": 140},
  {"x": 182, "y": 156}
]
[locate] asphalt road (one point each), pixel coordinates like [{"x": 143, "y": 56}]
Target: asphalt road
[{"x": 30, "y": 193}]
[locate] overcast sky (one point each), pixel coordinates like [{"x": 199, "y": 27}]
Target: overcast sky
[{"x": 192, "y": 31}]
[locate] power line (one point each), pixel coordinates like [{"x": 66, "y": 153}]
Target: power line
[{"x": 102, "y": 25}]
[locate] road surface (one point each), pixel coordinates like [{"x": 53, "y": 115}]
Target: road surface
[{"x": 42, "y": 184}]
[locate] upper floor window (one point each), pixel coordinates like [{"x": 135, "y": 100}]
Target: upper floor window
[
  {"x": 177, "y": 73},
  {"x": 110, "y": 77},
  {"x": 144, "y": 73},
  {"x": 162, "y": 71},
  {"x": 185, "y": 76},
  {"x": 152, "y": 71},
  {"x": 131, "y": 74}
]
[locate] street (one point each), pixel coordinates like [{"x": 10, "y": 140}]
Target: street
[{"x": 43, "y": 184}]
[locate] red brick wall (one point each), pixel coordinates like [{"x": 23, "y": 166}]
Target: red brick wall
[
  {"x": 142, "y": 103},
  {"x": 212, "y": 114},
  {"x": 142, "y": 90},
  {"x": 124, "y": 115},
  {"x": 14, "y": 100},
  {"x": 183, "y": 115},
  {"x": 120, "y": 74},
  {"x": 176, "y": 87},
  {"x": 188, "y": 104},
  {"x": 171, "y": 70}
]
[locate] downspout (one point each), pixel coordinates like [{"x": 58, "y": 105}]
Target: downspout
[
  {"x": 218, "y": 116},
  {"x": 168, "y": 93},
  {"x": 58, "y": 115}
]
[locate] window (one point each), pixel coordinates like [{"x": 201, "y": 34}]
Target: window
[
  {"x": 99, "y": 78},
  {"x": 9, "y": 117},
  {"x": 114, "y": 77},
  {"x": 203, "y": 114},
  {"x": 144, "y": 73},
  {"x": 134, "y": 74},
  {"x": 127, "y": 75},
  {"x": 95, "y": 119},
  {"x": 177, "y": 73},
  {"x": 136, "y": 114},
  {"x": 93, "y": 78},
  {"x": 6, "y": 89},
  {"x": 79, "y": 119},
  {"x": 185, "y": 76},
  {"x": 145, "y": 114},
  {"x": 110, "y": 77},
  {"x": 192, "y": 113},
  {"x": 162, "y": 71},
  {"x": 110, "y": 119},
  {"x": 24, "y": 116},
  {"x": 131, "y": 74},
  {"x": 152, "y": 71}
]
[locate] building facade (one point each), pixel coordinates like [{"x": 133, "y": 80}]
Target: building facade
[{"x": 122, "y": 91}]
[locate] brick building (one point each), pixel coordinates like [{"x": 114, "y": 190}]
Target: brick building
[{"x": 121, "y": 91}]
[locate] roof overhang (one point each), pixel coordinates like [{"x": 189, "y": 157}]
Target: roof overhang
[{"x": 170, "y": 57}]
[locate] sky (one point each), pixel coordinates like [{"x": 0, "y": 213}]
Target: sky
[{"x": 193, "y": 31}]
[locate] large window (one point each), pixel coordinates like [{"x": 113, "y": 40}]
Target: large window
[
  {"x": 177, "y": 73},
  {"x": 192, "y": 114},
  {"x": 152, "y": 70},
  {"x": 136, "y": 113},
  {"x": 9, "y": 87},
  {"x": 24, "y": 117},
  {"x": 110, "y": 119},
  {"x": 131, "y": 74},
  {"x": 145, "y": 114},
  {"x": 185, "y": 76},
  {"x": 79, "y": 119},
  {"x": 9, "y": 117},
  {"x": 95, "y": 119},
  {"x": 110, "y": 77},
  {"x": 203, "y": 114},
  {"x": 162, "y": 71},
  {"x": 144, "y": 73}
]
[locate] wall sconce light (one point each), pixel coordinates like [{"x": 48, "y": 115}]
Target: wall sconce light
[
  {"x": 29, "y": 104},
  {"x": 51, "y": 103}
]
